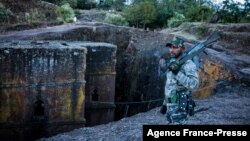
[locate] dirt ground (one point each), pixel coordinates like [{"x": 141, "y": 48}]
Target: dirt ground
[{"x": 229, "y": 105}]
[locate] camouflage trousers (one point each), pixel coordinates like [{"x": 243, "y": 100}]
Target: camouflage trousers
[{"x": 179, "y": 106}]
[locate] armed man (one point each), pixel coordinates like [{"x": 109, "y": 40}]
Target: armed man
[{"x": 181, "y": 80}]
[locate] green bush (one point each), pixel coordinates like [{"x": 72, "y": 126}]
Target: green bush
[
  {"x": 34, "y": 16},
  {"x": 72, "y": 3},
  {"x": 115, "y": 19},
  {"x": 5, "y": 14},
  {"x": 202, "y": 30},
  {"x": 177, "y": 20},
  {"x": 199, "y": 13},
  {"x": 65, "y": 13}
]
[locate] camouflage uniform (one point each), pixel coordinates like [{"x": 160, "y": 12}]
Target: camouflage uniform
[{"x": 178, "y": 90}]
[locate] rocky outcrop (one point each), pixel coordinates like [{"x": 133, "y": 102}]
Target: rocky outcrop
[
  {"x": 233, "y": 49},
  {"x": 137, "y": 77},
  {"x": 226, "y": 60},
  {"x": 137, "y": 67}
]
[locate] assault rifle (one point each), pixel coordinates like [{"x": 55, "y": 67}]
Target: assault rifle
[
  {"x": 197, "y": 48},
  {"x": 191, "y": 53}
]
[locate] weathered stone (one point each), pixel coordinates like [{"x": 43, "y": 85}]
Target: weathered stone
[
  {"x": 137, "y": 78},
  {"x": 136, "y": 70},
  {"x": 100, "y": 86},
  {"x": 42, "y": 87}
]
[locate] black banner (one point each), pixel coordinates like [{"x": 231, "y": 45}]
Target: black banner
[{"x": 159, "y": 132}]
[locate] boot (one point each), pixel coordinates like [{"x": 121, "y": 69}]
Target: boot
[
  {"x": 163, "y": 109},
  {"x": 174, "y": 114}
]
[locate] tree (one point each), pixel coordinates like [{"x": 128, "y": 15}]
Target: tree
[
  {"x": 133, "y": 15},
  {"x": 148, "y": 12},
  {"x": 246, "y": 12},
  {"x": 140, "y": 14},
  {"x": 199, "y": 13},
  {"x": 107, "y": 4},
  {"x": 118, "y": 5},
  {"x": 164, "y": 11},
  {"x": 230, "y": 11}
]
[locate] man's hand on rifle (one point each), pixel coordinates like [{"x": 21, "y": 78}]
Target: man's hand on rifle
[{"x": 174, "y": 67}]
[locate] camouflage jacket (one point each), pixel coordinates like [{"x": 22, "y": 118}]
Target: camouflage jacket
[{"x": 186, "y": 78}]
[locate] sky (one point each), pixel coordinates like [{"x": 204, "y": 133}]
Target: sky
[{"x": 220, "y": 1}]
